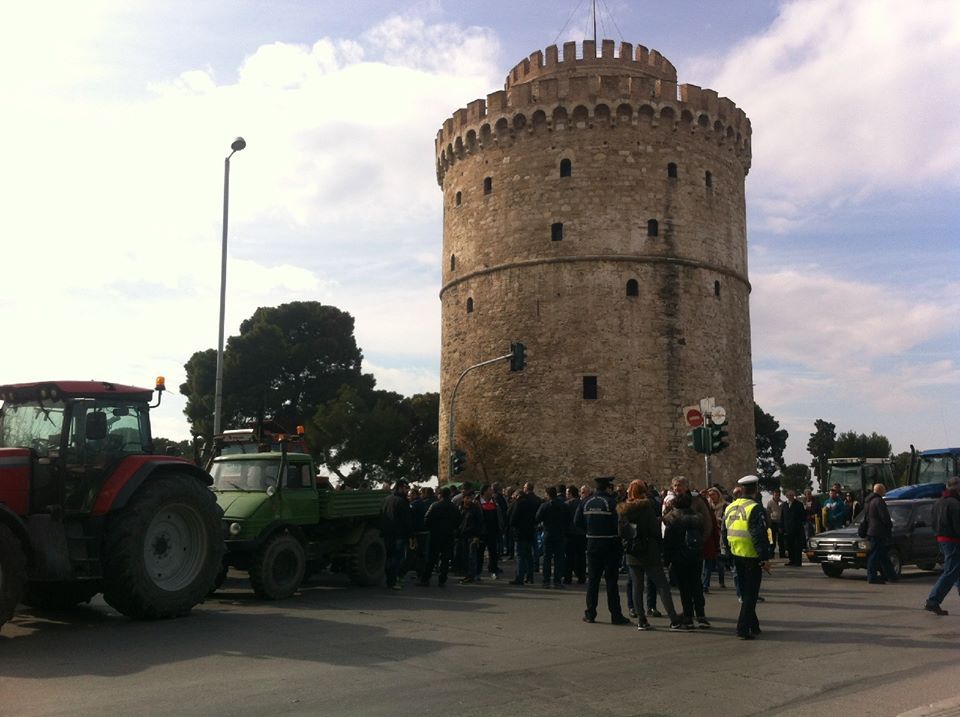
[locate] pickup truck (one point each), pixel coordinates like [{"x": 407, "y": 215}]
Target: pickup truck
[
  {"x": 280, "y": 524},
  {"x": 913, "y": 541}
]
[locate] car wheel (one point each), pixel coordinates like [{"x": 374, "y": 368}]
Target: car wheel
[
  {"x": 831, "y": 571},
  {"x": 895, "y": 561}
]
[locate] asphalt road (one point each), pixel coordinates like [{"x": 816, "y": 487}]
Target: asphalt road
[{"x": 829, "y": 647}]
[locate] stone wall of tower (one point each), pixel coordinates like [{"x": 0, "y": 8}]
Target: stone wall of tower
[{"x": 641, "y": 150}]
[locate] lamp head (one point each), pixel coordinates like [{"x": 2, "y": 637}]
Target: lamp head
[{"x": 238, "y": 144}]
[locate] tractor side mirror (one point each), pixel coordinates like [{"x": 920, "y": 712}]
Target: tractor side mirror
[{"x": 96, "y": 426}]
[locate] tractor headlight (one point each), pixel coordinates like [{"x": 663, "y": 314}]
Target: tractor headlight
[{"x": 235, "y": 528}]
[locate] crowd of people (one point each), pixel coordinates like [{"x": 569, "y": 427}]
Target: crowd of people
[{"x": 675, "y": 540}]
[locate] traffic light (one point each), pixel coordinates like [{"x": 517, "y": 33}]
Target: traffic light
[
  {"x": 518, "y": 356},
  {"x": 699, "y": 439},
  {"x": 719, "y": 438},
  {"x": 458, "y": 461}
]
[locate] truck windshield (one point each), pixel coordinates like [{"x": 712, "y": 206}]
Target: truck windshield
[
  {"x": 847, "y": 476},
  {"x": 935, "y": 469},
  {"x": 245, "y": 475},
  {"x": 32, "y": 425}
]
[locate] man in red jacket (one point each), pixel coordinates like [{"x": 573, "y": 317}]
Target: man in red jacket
[{"x": 946, "y": 524}]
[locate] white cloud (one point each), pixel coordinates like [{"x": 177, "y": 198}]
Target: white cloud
[
  {"x": 407, "y": 381},
  {"x": 116, "y": 204},
  {"x": 847, "y": 98}
]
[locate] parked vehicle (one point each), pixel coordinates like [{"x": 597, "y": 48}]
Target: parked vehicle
[
  {"x": 914, "y": 542},
  {"x": 936, "y": 465},
  {"x": 280, "y": 524},
  {"x": 86, "y": 506}
]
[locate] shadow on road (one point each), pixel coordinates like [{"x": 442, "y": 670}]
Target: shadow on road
[{"x": 92, "y": 641}]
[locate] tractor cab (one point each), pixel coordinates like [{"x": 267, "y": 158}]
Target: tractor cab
[{"x": 76, "y": 433}]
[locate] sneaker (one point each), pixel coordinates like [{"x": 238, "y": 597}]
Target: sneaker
[
  {"x": 679, "y": 627},
  {"x": 653, "y": 612},
  {"x": 644, "y": 626},
  {"x": 493, "y": 576},
  {"x": 703, "y": 622},
  {"x": 935, "y": 609},
  {"x": 633, "y": 613}
]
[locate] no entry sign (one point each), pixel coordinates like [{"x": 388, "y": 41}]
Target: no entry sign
[{"x": 693, "y": 416}]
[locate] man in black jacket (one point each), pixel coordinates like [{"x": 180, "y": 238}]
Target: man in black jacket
[
  {"x": 396, "y": 526},
  {"x": 554, "y": 516},
  {"x": 946, "y": 525},
  {"x": 471, "y": 532},
  {"x": 794, "y": 517},
  {"x": 523, "y": 522},
  {"x": 441, "y": 522},
  {"x": 880, "y": 531}
]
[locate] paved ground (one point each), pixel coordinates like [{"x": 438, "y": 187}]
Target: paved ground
[{"x": 830, "y": 647}]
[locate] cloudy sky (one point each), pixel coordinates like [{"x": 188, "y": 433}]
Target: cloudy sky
[{"x": 118, "y": 115}]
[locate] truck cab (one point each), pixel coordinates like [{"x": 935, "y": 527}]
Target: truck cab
[{"x": 281, "y": 522}]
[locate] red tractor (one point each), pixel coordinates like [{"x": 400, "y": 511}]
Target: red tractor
[{"x": 86, "y": 507}]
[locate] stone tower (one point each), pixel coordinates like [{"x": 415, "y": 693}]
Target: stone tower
[{"x": 595, "y": 210}]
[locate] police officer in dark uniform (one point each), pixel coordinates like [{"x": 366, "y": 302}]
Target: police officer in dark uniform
[{"x": 597, "y": 516}]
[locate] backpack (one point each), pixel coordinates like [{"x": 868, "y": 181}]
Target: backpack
[
  {"x": 692, "y": 545},
  {"x": 633, "y": 542}
]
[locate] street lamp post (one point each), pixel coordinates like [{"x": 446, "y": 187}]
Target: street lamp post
[{"x": 238, "y": 144}]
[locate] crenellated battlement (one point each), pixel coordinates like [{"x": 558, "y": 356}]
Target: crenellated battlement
[
  {"x": 633, "y": 88},
  {"x": 610, "y": 60}
]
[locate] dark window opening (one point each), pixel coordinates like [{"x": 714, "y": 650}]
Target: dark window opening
[
  {"x": 556, "y": 231},
  {"x": 590, "y": 388},
  {"x": 487, "y": 185},
  {"x": 672, "y": 170},
  {"x": 653, "y": 228},
  {"x": 716, "y": 288},
  {"x": 708, "y": 179},
  {"x": 470, "y": 305},
  {"x": 566, "y": 167},
  {"x": 458, "y": 199},
  {"x": 453, "y": 262},
  {"x": 633, "y": 288}
]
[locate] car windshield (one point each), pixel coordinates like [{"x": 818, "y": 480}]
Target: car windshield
[
  {"x": 245, "y": 475},
  {"x": 32, "y": 425},
  {"x": 899, "y": 514}
]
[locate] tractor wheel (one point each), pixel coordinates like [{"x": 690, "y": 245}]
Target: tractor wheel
[
  {"x": 220, "y": 579},
  {"x": 367, "y": 559},
  {"x": 13, "y": 573},
  {"x": 162, "y": 550},
  {"x": 831, "y": 571},
  {"x": 277, "y": 568},
  {"x": 59, "y": 595}
]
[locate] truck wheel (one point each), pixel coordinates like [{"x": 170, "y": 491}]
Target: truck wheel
[
  {"x": 367, "y": 559},
  {"x": 59, "y": 595},
  {"x": 831, "y": 571},
  {"x": 13, "y": 573},
  {"x": 163, "y": 550},
  {"x": 277, "y": 568}
]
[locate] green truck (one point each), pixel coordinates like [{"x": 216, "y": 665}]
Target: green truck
[{"x": 280, "y": 524}]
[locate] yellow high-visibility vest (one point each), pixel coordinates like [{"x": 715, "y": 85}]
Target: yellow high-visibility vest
[{"x": 736, "y": 519}]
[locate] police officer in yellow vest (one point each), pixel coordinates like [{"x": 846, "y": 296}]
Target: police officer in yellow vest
[{"x": 745, "y": 537}]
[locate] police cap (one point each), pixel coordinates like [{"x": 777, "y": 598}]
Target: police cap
[
  {"x": 604, "y": 481},
  {"x": 748, "y": 480}
]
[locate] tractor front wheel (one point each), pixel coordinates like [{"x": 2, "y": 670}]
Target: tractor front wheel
[
  {"x": 163, "y": 550},
  {"x": 13, "y": 573}
]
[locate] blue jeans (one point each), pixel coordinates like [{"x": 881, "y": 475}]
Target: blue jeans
[
  {"x": 950, "y": 575},
  {"x": 524, "y": 560},
  {"x": 554, "y": 556}
]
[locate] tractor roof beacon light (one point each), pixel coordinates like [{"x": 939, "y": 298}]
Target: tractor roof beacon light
[{"x": 160, "y": 388}]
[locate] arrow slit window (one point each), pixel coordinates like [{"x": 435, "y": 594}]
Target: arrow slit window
[{"x": 590, "y": 388}]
